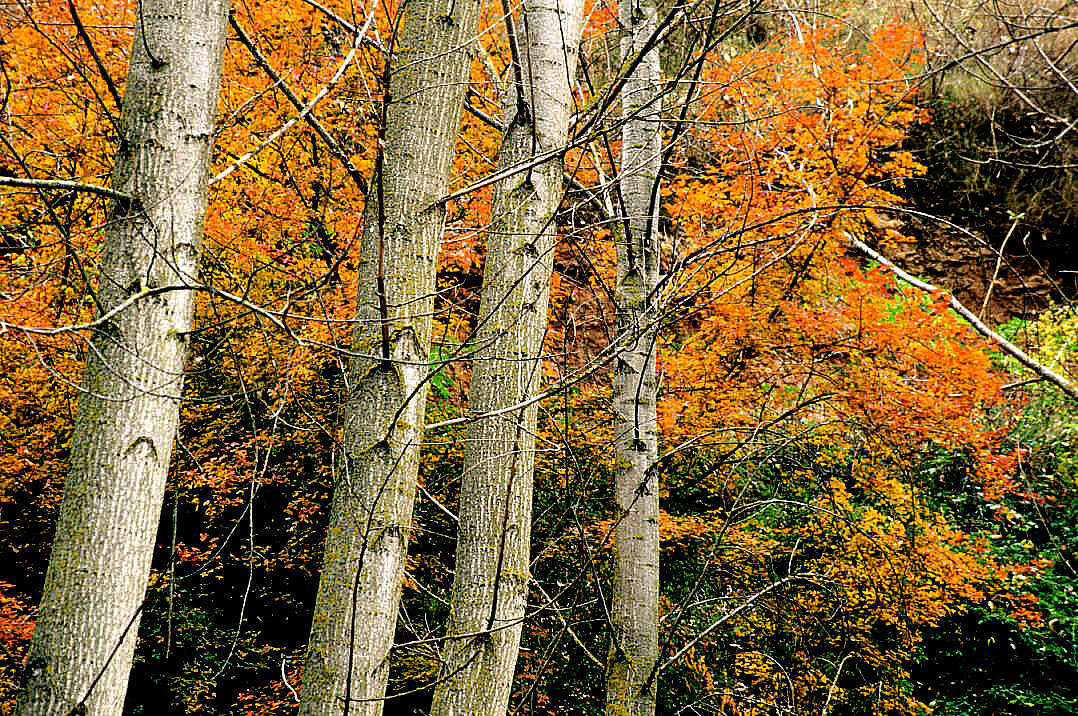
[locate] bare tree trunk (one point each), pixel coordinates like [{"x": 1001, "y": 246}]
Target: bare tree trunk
[
  {"x": 83, "y": 642},
  {"x": 375, "y": 470},
  {"x": 492, "y": 558},
  {"x": 630, "y": 688}
]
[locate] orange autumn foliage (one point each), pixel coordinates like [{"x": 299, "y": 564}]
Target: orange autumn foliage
[
  {"x": 780, "y": 341},
  {"x": 775, "y": 338}
]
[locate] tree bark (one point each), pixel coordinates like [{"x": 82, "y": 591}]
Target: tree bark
[
  {"x": 377, "y": 464},
  {"x": 634, "y": 614},
  {"x": 81, "y": 652},
  {"x": 493, "y": 548}
]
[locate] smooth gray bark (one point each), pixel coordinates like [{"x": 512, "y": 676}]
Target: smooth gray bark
[
  {"x": 634, "y": 613},
  {"x": 377, "y": 464},
  {"x": 81, "y": 651},
  {"x": 490, "y": 585}
]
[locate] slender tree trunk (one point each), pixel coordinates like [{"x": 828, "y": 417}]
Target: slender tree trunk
[
  {"x": 83, "y": 642},
  {"x": 492, "y": 558},
  {"x": 376, "y": 467},
  {"x": 635, "y": 602}
]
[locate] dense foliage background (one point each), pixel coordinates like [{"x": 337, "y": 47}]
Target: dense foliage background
[{"x": 867, "y": 508}]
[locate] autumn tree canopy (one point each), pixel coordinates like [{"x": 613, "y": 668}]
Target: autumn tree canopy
[{"x": 760, "y": 279}]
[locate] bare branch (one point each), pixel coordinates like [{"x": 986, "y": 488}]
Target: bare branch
[
  {"x": 304, "y": 111},
  {"x": 334, "y": 146},
  {"x": 1006, "y": 346},
  {"x": 64, "y": 185},
  {"x": 101, "y": 69}
]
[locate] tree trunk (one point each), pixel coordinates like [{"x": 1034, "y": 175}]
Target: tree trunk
[
  {"x": 376, "y": 467},
  {"x": 81, "y": 651},
  {"x": 634, "y": 610},
  {"x": 492, "y": 557}
]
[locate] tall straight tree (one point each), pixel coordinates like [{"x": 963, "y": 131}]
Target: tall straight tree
[
  {"x": 80, "y": 656},
  {"x": 377, "y": 464},
  {"x": 490, "y": 585},
  {"x": 634, "y": 612}
]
